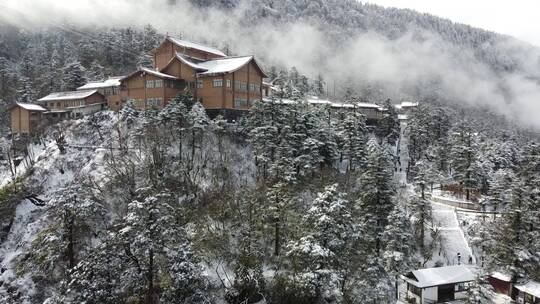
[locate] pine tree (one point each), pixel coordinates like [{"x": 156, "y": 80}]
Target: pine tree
[
  {"x": 353, "y": 138},
  {"x": 74, "y": 76},
  {"x": 377, "y": 191},
  {"x": 464, "y": 158}
]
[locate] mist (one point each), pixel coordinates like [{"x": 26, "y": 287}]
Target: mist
[{"x": 399, "y": 66}]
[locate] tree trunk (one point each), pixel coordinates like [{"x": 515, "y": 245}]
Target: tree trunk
[{"x": 150, "y": 278}]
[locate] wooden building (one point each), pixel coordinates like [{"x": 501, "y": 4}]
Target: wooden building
[
  {"x": 25, "y": 117},
  {"x": 226, "y": 85},
  {"x": 501, "y": 282},
  {"x": 171, "y": 46},
  {"x": 109, "y": 88},
  {"x": 438, "y": 285},
  {"x": 73, "y": 104},
  {"x": 148, "y": 88}
]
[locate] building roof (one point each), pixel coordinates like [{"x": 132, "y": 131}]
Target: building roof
[
  {"x": 407, "y": 104},
  {"x": 29, "y": 106},
  {"x": 367, "y": 105},
  {"x": 109, "y": 82},
  {"x": 148, "y": 71},
  {"x": 502, "y": 276},
  {"x": 71, "y": 95},
  {"x": 439, "y": 276},
  {"x": 216, "y": 66},
  {"x": 532, "y": 288},
  {"x": 196, "y": 46}
]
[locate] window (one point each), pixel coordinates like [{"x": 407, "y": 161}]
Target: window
[
  {"x": 217, "y": 82},
  {"x": 240, "y": 86},
  {"x": 158, "y": 83},
  {"x": 115, "y": 90},
  {"x": 240, "y": 103},
  {"x": 462, "y": 287},
  {"x": 199, "y": 84},
  {"x": 150, "y": 84},
  {"x": 228, "y": 83},
  {"x": 415, "y": 290},
  {"x": 154, "y": 102}
]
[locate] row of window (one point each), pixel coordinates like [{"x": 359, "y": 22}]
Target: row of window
[
  {"x": 65, "y": 104},
  {"x": 111, "y": 91},
  {"x": 158, "y": 83},
  {"x": 150, "y": 102},
  {"x": 239, "y": 86},
  {"x": 243, "y": 102}
]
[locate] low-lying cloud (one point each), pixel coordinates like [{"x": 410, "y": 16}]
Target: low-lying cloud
[{"x": 401, "y": 66}]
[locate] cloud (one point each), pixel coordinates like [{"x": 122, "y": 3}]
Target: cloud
[{"x": 416, "y": 62}]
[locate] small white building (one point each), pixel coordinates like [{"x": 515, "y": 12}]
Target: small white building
[
  {"x": 438, "y": 285},
  {"x": 528, "y": 293}
]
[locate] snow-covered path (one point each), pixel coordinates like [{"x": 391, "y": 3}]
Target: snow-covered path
[{"x": 452, "y": 238}]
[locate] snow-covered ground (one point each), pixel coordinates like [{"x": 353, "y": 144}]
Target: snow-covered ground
[{"x": 452, "y": 238}]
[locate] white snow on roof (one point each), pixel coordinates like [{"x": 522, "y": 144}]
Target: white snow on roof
[
  {"x": 406, "y": 104},
  {"x": 316, "y": 100},
  {"x": 502, "y": 276},
  {"x": 367, "y": 105},
  {"x": 531, "y": 287},
  {"x": 402, "y": 117},
  {"x": 189, "y": 62},
  {"x": 68, "y": 95},
  {"x": 31, "y": 106},
  {"x": 156, "y": 73},
  {"x": 193, "y": 45},
  {"x": 342, "y": 105},
  {"x": 110, "y": 82},
  {"x": 223, "y": 65},
  {"x": 441, "y": 275}
]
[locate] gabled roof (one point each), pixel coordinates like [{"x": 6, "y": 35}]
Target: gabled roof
[
  {"x": 148, "y": 71},
  {"x": 531, "y": 287},
  {"x": 216, "y": 66},
  {"x": 71, "y": 95},
  {"x": 439, "y": 276},
  {"x": 367, "y": 105},
  {"x": 110, "y": 82},
  {"x": 29, "y": 106},
  {"x": 196, "y": 46}
]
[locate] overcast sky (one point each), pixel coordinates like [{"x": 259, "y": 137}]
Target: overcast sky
[{"x": 518, "y": 18}]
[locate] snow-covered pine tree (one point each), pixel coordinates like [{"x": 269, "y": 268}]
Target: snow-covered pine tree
[
  {"x": 376, "y": 190},
  {"x": 73, "y": 75},
  {"x": 352, "y": 132},
  {"x": 464, "y": 158}
]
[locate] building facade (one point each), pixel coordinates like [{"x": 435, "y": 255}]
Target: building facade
[
  {"x": 223, "y": 84},
  {"x": 73, "y": 104},
  {"x": 25, "y": 118}
]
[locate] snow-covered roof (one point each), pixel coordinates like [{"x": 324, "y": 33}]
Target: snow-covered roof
[
  {"x": 71, "y": 95},
  {"x": 532, "y": 288},
  {"x": 318, "y": 101},
  {"x": 224, "y": 65},
  {"x": 440, "y": 275},
  {"x": 149, "y": 71},
  {"x": 196, "y": 46},
  {"x": 402, "y": 117},
  {"x": 502, "y": 276},
  {"x": 215, "y": 66},
  {"x": 367, "y": 105},
  {"x": 342, "y": 105},
  {"x": 110, "y": 82},
  {"x": 405, "y": 104},
  {"x": 30, "y": 106}
]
